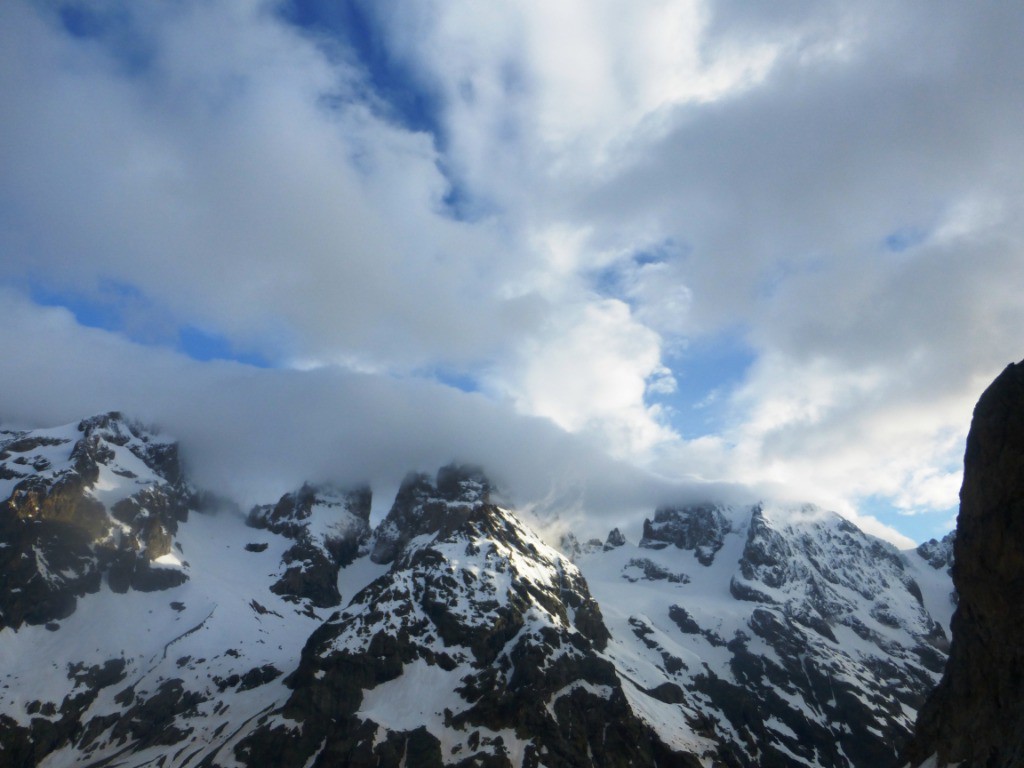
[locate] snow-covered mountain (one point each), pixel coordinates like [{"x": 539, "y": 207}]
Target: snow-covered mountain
[
  {"x": 145, "y": 623},
  {"x": 785, "y": 634}
]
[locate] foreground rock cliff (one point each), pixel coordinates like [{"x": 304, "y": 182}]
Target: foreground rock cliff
[{"x": 976, "y": 715}]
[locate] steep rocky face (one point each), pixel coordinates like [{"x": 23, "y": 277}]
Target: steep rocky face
[
  {"x": 328, "y": 526},
  {"x": 425, "y": 508},
  {"x": 976, "y": 715},
  {"x": 820, "y": 658},
  {"x": 939, "y": 552},
  {"x": 492, "y": 632},
  {"x": 100, "y": 498},
  {"x": 698, "y": 528},
  {"x": 614, "y": 539}
]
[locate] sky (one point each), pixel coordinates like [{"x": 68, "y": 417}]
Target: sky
[{"x": 621, "y": 255}]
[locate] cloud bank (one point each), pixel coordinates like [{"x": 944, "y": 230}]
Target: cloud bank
[
  {"x": 559, "y": 207},
  {"x": 252, "y": 434}
]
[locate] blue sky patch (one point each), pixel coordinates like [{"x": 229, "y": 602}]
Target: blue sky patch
[
  {"x": 409, "y": 101},
  {"x": 453, "y": 378},
  {"x": 905, "y": 238},
  {"x": 201, "y": 345},
  {"x": 706, "y": 372},
  {"x": 113, "y": 28},
  {"x": 929, "y": 524},
  {"x": 123, "y": 309},
  {"x": 108, "y": 309},
  {"x": 614, "y": 280},
  {"x": 350, "y": 23}
]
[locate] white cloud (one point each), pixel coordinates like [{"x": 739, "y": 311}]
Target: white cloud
[
  {"x": 243, "y": 177},
  {"x": 254, "y": 434},
  {"x": 591, "y": 376},
  {"x": 221, "y": 184}
]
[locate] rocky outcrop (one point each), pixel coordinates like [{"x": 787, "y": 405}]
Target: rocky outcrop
[
  {"x": 938, "y": 553},
  {"x": 426, "y": 507},
  {"x": 698, "y": 528},
  {"x": 328, "y": 526},
  {"x": 615, "y": 539},
  {"x": 976, "y": 715}
]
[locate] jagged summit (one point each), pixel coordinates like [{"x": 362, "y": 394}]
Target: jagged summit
[
  {"x": 425, "y": 506},
  {"x": 329, "y": 526},
  {"x": 699, "y": 528},
  {"x": 793, "y": 636},
  {"x": 452, "y": 635},
  {"x": 502, "y": 639},
  {"x": 939, "y": 552}
]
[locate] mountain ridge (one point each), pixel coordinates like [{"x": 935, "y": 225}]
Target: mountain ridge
[{"x": 448, "y": 634}]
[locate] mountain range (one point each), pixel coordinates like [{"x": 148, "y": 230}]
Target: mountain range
[{"x": 146, "y": 622}]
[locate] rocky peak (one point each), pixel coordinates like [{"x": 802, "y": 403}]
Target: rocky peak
[
  {"x": 825, "y": 575},
  {"x": 822, "y": 657},
  {"x": 111, "y": 426},
  {"x": 615, "y": 539},
  {"x": 938, "y": 553},
  {"x": 101, "y": 433},
  {"x": 976, "y": 715},
  {"x": 329, "y": 526},
  {"x": 500, "y": 636},
  {"x": 426, "y": 506},
  {"x": 103, "y": 497},
  {"x": 293, "y": 515},
  {"x": 700, "y": 528}
]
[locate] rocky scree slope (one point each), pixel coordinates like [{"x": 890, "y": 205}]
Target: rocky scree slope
[
  {"x": 176, "y": 630},
  {"x": 976, "y": 715}
]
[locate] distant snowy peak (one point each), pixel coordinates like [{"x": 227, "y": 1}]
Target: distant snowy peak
[
  {"x": 938, "y": 553},
  {"x": 824, "y": 571},
  {"x": 781, "y": 633}
]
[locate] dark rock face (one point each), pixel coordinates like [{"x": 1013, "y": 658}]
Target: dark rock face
[
  {"x": 615, "y": 539},
  {"x": 424, "y": 507},
  {"x": 700, "y": 528},
  {"x": 939, "y": 552},
  {"x": 504, "y": 629},
  {"x": 643, "y": 568},
  {"x": 329, "y": 527},
  {"x": 976, "y": 715},
  {"x": 61, "y": 537}
]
